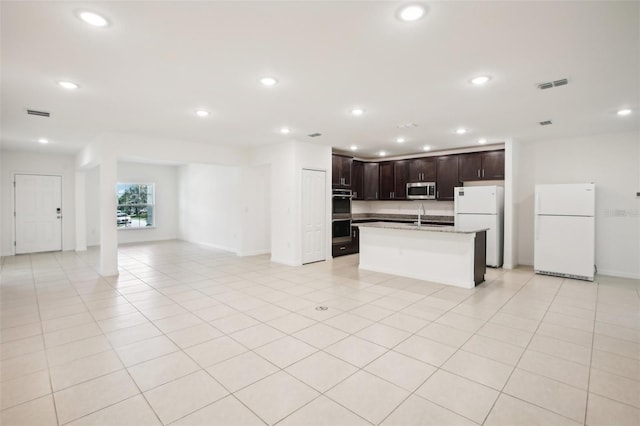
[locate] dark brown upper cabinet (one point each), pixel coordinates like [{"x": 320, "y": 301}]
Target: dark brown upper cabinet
[
  {"x": 341, "y": 171},
  {"x": 357, "y": 180},
  {"x": 371, "y": 180},
  {"x": 487, "y": 165},
  {"x": 493, "y": 165},
  {"x": 401, "y": 177},
  {"x": 394, "y": 176},
  {"x": 422, "y": 169},
  {"x": 447, "y": 176},
  {"x": 387, "y": 184}
]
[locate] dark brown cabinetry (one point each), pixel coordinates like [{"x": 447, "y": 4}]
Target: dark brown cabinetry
[
  {"x": 481, "y": 166},
  {"x": 493, "y": 165},
  {"x": 401, "y": 177},
  {"x": 341, "y": 171},
  {"x": 357, "y": 180},
  {"x": 371, "y": 179},
  {"x": 422, "y": 169},
  {"x": 447, "y": 176},
  {"x": 394, "y": 176},
  {"x": 386, "y": 181},
  {"x": 347, "y": 248}
]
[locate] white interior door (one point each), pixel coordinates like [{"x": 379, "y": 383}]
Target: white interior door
[
  {"x": 313, "y": 215},
  {"x": 38, "y": 213}
]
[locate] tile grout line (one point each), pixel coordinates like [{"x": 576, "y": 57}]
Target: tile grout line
[{"x": 520, "y": 359}]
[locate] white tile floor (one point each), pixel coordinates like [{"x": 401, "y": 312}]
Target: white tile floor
[{"x": 192, "y": 336}]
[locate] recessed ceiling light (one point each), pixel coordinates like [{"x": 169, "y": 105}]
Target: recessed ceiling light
[
  {"x": 426, "y": 148},
  {"x": 43, "y": 141},
  {"x": 353, "y": 148},
  {"x": 285, "y": 130},
  {"x": 407, "y": 125},
  {"x": 461, "y": 131},
  {"x": 625, "y": 111},
  {"x": 482, "y": 141},
  {"x": 411, "y": 12},
  {"x": 480, "y": 80},
  {"x": 400, "y": 140},
  {"x": 357, "y": 111},
  {"x": 68, "y": 85},
  {"x": 382, "y": 153},
  {"x": 202, "y": 113},
  {"x": 92, "y": 18},
  {"x": 268, "y": 81}
]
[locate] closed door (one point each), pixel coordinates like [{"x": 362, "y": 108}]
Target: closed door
[
  {"x": 38, "y": 213},
  {"x": 314, "y": 212}
]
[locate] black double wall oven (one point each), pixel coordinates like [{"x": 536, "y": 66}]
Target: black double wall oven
[{"x": 341, "y": 216}]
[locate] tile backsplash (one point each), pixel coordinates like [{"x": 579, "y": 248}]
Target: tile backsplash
[{"x": 433, "y": 208}]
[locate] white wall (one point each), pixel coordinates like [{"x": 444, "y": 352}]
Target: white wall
[
  {"x": 166, "y": 211},
  {"x": 286, "y": 161},
  {"x": 37, "y": 163},
  {"x": 612, "y": 162},
  {"x": 255, "y": 210},
  {"x": 209, "y": 199}
]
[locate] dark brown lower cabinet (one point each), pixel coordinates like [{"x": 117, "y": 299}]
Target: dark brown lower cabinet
[{"x": 347, "y": 248}]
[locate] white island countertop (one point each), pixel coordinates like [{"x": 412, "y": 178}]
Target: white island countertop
[
  {"x": 423, "y": 227},
  {"x": 440, "y": 254}
]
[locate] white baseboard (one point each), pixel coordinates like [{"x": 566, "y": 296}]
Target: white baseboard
[
  {"x": 215, "y": 246},
  {"x": 284, "y": 262},
  {"x": 254, "y": 252},
  {"x": 619, "y": 274}
]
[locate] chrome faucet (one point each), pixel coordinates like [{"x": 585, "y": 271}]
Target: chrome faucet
[{"x": 421, "y": 211}]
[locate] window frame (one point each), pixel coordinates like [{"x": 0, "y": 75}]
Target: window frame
[{"x": 152, "y": 205}]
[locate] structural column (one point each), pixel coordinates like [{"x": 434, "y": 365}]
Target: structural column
[
  {"x": 108, "y": 225},
  {"x": 81, "y": 212}
]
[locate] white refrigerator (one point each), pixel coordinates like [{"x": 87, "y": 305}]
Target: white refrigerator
[
  {"x": 479, "y": 207},
  {"x": 565, "y": 230}
]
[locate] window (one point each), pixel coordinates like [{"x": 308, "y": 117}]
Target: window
[{"x": 136, "y": 203}]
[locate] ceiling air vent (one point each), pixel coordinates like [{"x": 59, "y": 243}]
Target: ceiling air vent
[
  {"x": 545, "y": 123},
  {"x": 314, "y": 135},
  {"x": 40, "y": 113},
  {"x": 550, "y": 84}
]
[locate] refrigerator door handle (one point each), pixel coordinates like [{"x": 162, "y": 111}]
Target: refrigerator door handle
[{"x": 537, "y": 227}]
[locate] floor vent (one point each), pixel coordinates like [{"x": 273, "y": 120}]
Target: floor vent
[{"x": 40, "y": 113}]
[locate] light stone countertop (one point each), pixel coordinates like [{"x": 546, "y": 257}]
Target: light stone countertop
[{"x": 415, "y": 227}]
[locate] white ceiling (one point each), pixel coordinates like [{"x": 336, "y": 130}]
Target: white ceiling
[{"x": 158, "y": 62}]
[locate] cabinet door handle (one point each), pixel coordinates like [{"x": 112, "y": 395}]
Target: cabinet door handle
[
  {"x": 437, "y": 194},
  {"x": 482, "y": 172},
  {"x": 478, "y": 172},
  {"x": 355, "y": 195},
  {"x": 376, "y": 195},
  {"x": 343, "y": 248}
]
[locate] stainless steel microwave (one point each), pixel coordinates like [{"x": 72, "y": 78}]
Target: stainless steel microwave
[{"x": 421, "y": 191}]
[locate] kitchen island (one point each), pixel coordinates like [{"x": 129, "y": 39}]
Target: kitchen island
[{"x": 440, "y": 254}]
